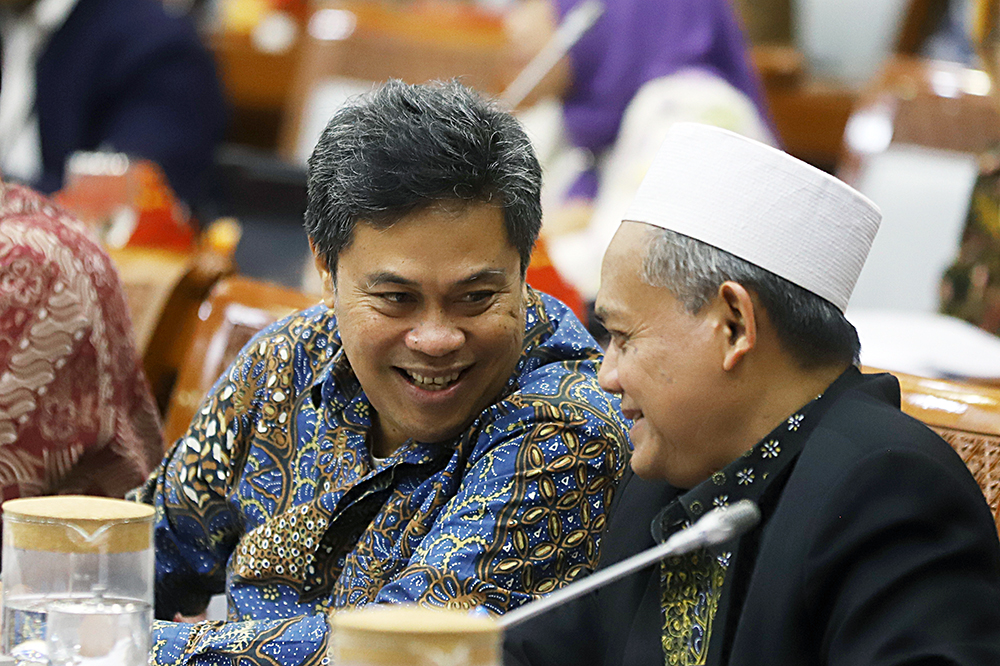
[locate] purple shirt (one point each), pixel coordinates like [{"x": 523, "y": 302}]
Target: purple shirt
[{"x": 636, "y": 41}]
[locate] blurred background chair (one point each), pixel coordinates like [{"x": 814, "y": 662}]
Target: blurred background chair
[
  {"x": 919, "y": 143},
  {"x": 236, "y": 310},
  {"x": 967, "y": 416},
  {"x": 912, "y": 144},
  {"x": 164, "y": 290},
  {"x": 348, "y": 46}
]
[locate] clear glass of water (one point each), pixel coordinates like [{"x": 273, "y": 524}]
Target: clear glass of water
[
  {"x": 98, "y": 632},
  {"x": 77, "y": 581}
]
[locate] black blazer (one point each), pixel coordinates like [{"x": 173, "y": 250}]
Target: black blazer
[
  {"x": 879, "y": 549},
  {"x": 125, "y": 75}
]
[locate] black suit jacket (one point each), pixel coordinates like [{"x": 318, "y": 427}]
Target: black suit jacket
[
  {"x": 125, "y": 75},
  {"x": 877, "y": 548}
]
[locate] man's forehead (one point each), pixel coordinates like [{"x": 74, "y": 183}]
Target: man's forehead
[
  {"x": 620, "y": 270},
  {"x": 432, "y": 248}
]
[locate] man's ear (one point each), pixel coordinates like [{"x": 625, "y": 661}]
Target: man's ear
[
  {"x": 329, "y": 287},
  {"x": 739, "y": 318}
]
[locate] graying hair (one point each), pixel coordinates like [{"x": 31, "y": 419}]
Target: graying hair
[
  {"x": 404, "y": 147},
  {"x": 811, "y": 328}
]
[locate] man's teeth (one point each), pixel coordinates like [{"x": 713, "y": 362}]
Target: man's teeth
[{"x": 433, "y": 383}]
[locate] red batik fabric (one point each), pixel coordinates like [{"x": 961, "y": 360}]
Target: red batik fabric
[{"x": 76, "y": 413}]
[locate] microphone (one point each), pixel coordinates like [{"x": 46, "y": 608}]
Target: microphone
[
  {"x": 715, "y": 527},
  {"x": 575, "y": 25}
]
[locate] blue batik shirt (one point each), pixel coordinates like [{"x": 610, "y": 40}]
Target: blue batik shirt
[{"x": 272, "y": 495}]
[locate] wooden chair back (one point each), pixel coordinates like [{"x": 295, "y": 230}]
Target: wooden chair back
[
  {"x": 164, "y": 290},
  {"x": 237, "y": 308},
  {"x": 967, "y": 416},
  {"x": 922, "y": 103},
  {"x": 350, "y": 45}
]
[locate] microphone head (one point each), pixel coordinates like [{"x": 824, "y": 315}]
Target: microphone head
[{"x": 728, "y": 522}]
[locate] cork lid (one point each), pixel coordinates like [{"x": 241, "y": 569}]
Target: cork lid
[
  {"x": 414, "y": 636},
  {"x": 78, "y": 524},
  {"x": 412, "y": 620}
]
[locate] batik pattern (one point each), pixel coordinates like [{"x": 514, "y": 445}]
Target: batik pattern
[
  {"x": 691, "y": 586},
  {"x": 272, "y": 494},
  {"x": 76, "y": 413}
]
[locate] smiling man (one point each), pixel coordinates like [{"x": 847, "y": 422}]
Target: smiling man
[
  {"x": 433, "y": 433},
  {"x": 724, "y": 291}
]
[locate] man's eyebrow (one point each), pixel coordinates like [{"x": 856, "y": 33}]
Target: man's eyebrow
[
  {"x": 387, "y": 277},
  {"x": 600, "y": 314},
  {"x": 483, "y": 275},
  {"x": 609, "y": 317}
]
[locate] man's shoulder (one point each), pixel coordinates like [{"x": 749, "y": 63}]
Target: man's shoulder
[
  {"x": 310, "y": 333},
  {"x": 557, "y": 377},
  {"x": 866, "y": 419},
  {"x": 562, "y": 383},
  {"x": 24, "y": 211},
  {"x": 865, "y": 444},
  {"x": 882, "y": 513},
  {"x": 557, "y": 346}
]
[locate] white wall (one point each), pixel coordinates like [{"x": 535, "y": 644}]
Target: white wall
[{"x": 846, "y": 39}]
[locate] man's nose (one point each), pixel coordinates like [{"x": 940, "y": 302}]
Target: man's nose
[
  {"x": 607, "y": 376},
  {"x": 435, "y": 335}
]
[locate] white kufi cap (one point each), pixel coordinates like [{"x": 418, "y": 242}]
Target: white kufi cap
[{"x": 761, "y": 205}]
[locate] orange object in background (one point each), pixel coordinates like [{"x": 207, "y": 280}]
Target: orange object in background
[
  {"x": 127, "y": 201},
  {"x": 543, "y": 276},
  {"x": 297, "y": 8},
  {"x": 164, "y": 222}
]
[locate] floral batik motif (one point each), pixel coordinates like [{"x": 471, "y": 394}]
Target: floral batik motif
[
  {"x": 691, "y": 585},
  {"x": 970, "y": 287},
  {"x": 76, "y": 413}
]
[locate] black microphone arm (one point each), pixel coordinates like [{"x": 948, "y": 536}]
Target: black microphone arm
[{"x": 715, "y": 527}]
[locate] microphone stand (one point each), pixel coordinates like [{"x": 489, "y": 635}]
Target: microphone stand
[
  {"x": 577, "y": 22},
  {"x": 715, "y": 527}
]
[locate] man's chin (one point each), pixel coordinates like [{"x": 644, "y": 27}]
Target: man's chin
[
  {"x": 437, "y": 434},
  {"x": 652, "y": 468},
  {"x": 646, "y": 471},
  {"x": 437, "y": 423}
]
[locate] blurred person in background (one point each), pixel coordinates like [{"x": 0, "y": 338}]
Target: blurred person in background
[
  {"x": 76, "y": 413},
  {"x": 970, "y": 287},
  {"x": 950, "y": 38},
  {"x": 115, "y": 75},
  {"x": 644, "y": 65}
]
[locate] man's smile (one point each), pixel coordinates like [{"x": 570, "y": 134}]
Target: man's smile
[{"x": 432, "y": 380}]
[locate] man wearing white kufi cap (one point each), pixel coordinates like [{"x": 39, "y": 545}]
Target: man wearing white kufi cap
[{"x": 723, "y": 292}]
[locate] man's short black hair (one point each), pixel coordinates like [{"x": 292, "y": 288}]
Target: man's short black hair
[{"x": 404, "y": 147}]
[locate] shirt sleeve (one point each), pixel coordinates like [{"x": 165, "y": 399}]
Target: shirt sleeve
[
  {"x": 527, "y": 517},
  {"x": 196, "y": 528},
  {"x": 298, "y": 641}
]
